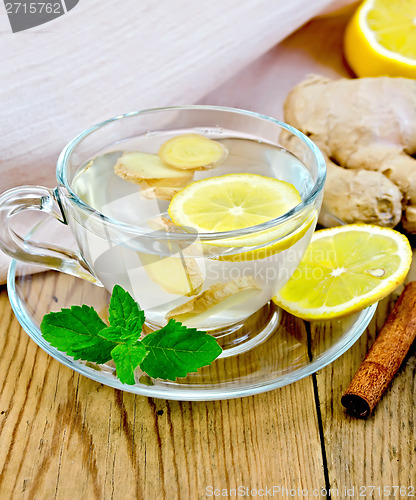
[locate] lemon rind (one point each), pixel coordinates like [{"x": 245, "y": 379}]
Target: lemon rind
[
  {"x": 267, "y": 250},
  {"x": 372, "y": 40}
]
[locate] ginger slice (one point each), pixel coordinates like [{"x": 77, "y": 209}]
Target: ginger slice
[
  {"x": 192, "y": 151},
  {"x": 214, "y": 295},
  {"x": 165, "y": 224},
  {"x": 150, "y": 192},
  {"x": 186, "y": 247},
  {"x": 162, "y": 189},
  {"x": 137, "y": 167},
  {"x": 166, "y": 182},
  {"x": 176, "y": 275}
]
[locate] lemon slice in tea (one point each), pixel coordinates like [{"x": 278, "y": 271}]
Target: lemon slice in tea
[
  {"x": 232, "y": 201},
  {"x": 236, "y": 201},
  {"x": 344, "y": 270}
]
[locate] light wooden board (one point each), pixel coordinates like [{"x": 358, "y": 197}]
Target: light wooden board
[
  {"x": 379, "y": 451},
  {"x": 64, "y": 436}
]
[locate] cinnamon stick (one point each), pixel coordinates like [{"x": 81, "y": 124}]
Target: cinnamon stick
[{"x": 385, "y": 356}]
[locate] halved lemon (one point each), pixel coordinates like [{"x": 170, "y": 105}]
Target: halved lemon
[
  {"x": 344, "y": 270},
  {"x": 192, "y": 151},
  {"x": 237, "y": 201},
  {"x": 380, "y": 39}
]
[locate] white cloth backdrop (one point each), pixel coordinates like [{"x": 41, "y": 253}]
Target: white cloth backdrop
[{"x": 105, "y": 58}]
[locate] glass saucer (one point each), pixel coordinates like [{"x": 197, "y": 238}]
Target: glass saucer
[{"x": 294, "y": 350}]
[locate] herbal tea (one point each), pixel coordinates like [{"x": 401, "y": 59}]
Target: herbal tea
[{"x": 194, "y": 182}]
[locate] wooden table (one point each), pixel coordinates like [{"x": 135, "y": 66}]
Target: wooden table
[{"x": 67, "y": 437}]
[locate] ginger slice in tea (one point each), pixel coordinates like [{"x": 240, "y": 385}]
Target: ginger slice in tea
[
  {"x": 176, "y": 275},
  {"x": 167, "y": 182},
  {"x": 163, "y": 223},
  {"x": 213, "y": 296},
  {"x": 150, "y": 192},
  {"x": 189, "y": 248},
  {"x": 192, "y": 151},
  {"x": 136, "y": 167},
  {"x": 163, "y": 189}
]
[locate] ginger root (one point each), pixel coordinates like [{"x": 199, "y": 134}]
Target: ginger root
[{"x": 367, "y": 125}]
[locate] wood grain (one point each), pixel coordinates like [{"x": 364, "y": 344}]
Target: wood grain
[
  {"x": 64, "y": 436},
  {"x": 378, "y": 451}
]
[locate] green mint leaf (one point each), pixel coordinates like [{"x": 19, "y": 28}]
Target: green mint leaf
[
  {"x": 125, "y": 312},
  {"x": 135, "y": 326},
  {"x": 127, "y": 358},
  {"x": 169, "y": 353},
  {"x": 119, "y": 335},
  {"x": 175, "y": 351},
  {"x": 76, "y": 331}
]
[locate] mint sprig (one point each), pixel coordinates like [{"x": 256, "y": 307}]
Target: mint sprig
[
  {"x": 125, "y": 312},
  {"x": 127, "y": 358},
  {"x": 173, "y": 351},
  {"x": 77, "y": 331}
]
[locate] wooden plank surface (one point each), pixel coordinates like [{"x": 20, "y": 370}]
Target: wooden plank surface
[
  {"x": 378, "y": 451},
  {"x": 64, "y": 436}
]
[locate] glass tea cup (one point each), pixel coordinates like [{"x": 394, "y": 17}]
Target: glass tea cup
[{"x": 220, "y": 282}]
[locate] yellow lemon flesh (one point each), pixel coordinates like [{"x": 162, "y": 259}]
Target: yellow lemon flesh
[
  {"x": 270, "y": 241},
  {"x": 344, "y": 270},
  {"x": 380, "y": 39},
  {"x": 191, "y": 151},
  {"x": 237, "y": 201}
]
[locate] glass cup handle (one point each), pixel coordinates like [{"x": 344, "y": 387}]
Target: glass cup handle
[{"x": 46, "y": 200}]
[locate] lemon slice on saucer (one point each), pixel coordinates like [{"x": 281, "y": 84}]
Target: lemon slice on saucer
[
  {"x": 380, "y": 39},
  {"x": 237, "y": 201},
  {"x": 344, "y": 270}
]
